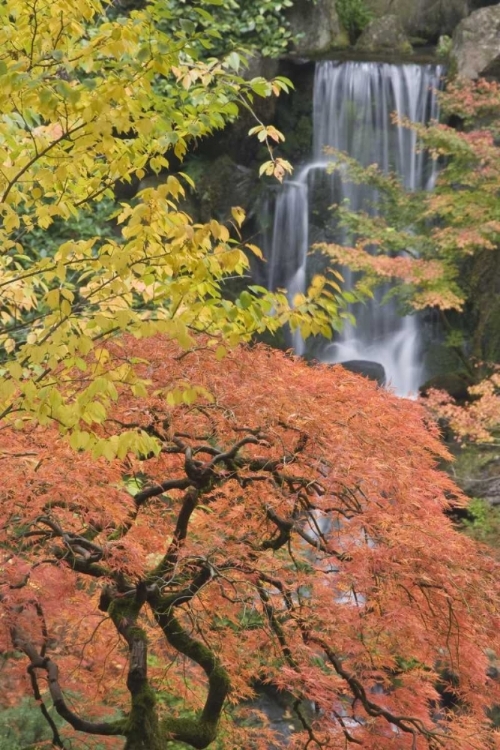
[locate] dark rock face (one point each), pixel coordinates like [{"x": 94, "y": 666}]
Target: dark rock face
[
  {"x": 384, "y": 33},
  {"x": 317, "y": 28},
  {"x": 371, "y": 370},
  {"x": 476, "y": 470},
  {"x": 476, "y": 43},
  {"x": 427, "y": 19},
  {"x": 453, "y": 383}
]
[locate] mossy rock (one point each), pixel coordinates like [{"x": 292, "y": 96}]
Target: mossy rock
[
  {"x": 476, "y": 470},
  {"x": 456, "y": 384},
  {"x": 386, "y": 33},
  {"x": 428, "y": 19}
]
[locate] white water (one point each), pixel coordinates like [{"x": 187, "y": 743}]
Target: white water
[{"x": 353, "y": 106}]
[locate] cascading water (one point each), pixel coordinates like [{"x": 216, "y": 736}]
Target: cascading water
[{"x": 352, "y": 112}]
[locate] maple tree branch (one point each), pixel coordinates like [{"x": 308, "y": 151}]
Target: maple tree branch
[
  {"x": 124, "y": 611},
  {"x": 307, "y": 726},
  {"x": 80, "y": 553},
  {"x": 346, "y": 732},
  {"x": 202, "y": 730},
  {"x": 187, "y": 593},
  {"x": 230, "y": 454},
  {"x": 407, "y": 724},
  {"x": 276, "y": 627},
  {"x": 37, "y": 661},
  {"x": 279, "y": 632},
  {"x": 56, "y": 737},
  {"x": 171, "y": 484},
  {"x": 170, "y": 559},
  {"x": 284, "y": 531},
  {"x": 286, "y": 526}
]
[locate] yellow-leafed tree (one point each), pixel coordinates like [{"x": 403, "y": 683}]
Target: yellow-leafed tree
[{"x": 90, "y": 98}]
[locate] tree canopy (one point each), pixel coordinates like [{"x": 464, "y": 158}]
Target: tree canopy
[
  {"x": 291, "y": 532},
  {"x": 91, "y": 98}
]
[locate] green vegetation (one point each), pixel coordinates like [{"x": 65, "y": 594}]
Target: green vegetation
[
  {"x": 258, "y": 25},
  {"x": 483, "y": 523},
  {"x": 24, "y": 726},
  {"x": 354, "y": 16}
]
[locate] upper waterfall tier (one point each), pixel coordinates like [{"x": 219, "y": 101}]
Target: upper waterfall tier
[{"x": 354, "y": 107}]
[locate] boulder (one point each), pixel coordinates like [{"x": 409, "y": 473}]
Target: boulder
[
  {"x": 476, "y": 470},
  {"x": 424, "y": 19},
  {"x": 371, "y": 370},
  {"x": 258, "y": 65},
  {"x": 316, "y": 27},
  {"x": 476, "y": 43},
  {"x": 454, "y": 383},
  {"x": 383, "y": 34}
]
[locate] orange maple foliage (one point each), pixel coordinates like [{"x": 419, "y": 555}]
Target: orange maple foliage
[{"x": 291, "y": 531}]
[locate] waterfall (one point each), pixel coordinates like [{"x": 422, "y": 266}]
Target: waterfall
[{"x": 352, "y": 111}]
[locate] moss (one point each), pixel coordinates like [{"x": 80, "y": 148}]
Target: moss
[
  {"x": 198, "y": 731},
  {"x": 483, "y": 522},
  {"x": 143, "y": 729},
  {"x": 194, "y": 732},
  {"x": 138, "y": 633},
  {"x": 406, "y": 48},
  {"x": 124, "y": 608}
]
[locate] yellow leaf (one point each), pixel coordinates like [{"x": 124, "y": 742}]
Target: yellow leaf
[
  {"x": 255, "y": 250},
  {"x": 238, "y": 215},
  {"x": 52, "y": 298},
  {"x": 220, "y": 353},
  {"x": 298, "y": 300}
]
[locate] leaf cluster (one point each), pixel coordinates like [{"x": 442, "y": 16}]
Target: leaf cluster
[
  {"x": 259, "y": 26},
  {"x": 90, "y": 99},
  {"x": 354, "y": 16}
]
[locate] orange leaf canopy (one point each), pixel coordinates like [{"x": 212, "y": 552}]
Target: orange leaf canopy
[{"x": 291, "y": 531}]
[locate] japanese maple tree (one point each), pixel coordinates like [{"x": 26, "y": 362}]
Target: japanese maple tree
[
  {"x": 289, "y": 529},
  {"x": 450, "y": 240}
]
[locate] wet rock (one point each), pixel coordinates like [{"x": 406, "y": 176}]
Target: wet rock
[
  {"x": 476, "y": 470},
  {"x": 371, "y": 370},
  {"x": 426, "y": 19},
  {"x": 453, "y": 383},
  {"x": 260, "y": 66},
  {"x": 476, "y": 44}
]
